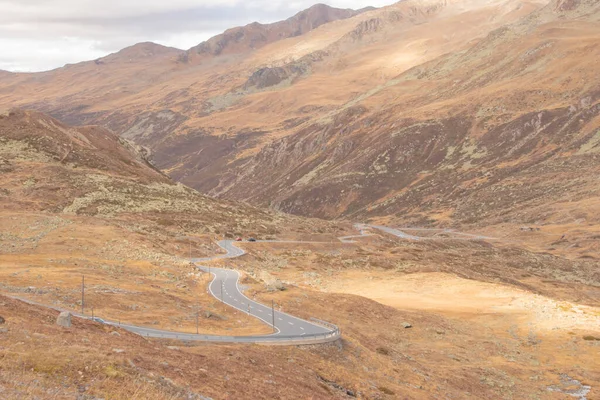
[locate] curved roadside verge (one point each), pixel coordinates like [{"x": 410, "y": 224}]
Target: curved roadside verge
[{"x": 287, "y": 329}]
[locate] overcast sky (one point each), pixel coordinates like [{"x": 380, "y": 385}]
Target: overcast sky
[{"x": 37, "y": 35}]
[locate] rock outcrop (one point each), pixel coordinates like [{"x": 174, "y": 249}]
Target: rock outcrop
[{"x": 64, "y": 319}]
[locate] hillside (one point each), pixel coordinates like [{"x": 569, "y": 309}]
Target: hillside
[
  {"x": 82, "y": 201},
  {"x": 479, "y": 115},
  {"x": 383, "y": 115},
  {"x": 505, "y": 130},
  {"x": 50, "y": 167}
]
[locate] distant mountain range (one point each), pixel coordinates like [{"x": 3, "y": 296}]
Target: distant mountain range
[{"x": 427, "y": 111}]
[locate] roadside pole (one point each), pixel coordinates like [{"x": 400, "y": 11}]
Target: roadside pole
[
  {"x": 197, "y": 317},
  {"x": 82, "y": 293},
  {"x": 273, "y": 313}
]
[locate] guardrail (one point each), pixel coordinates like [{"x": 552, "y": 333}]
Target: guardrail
[
  {"x": 278, "y": 339},
  {"x": 314, "y": 338}
]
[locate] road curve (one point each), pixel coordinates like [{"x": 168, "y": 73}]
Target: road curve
[
  {"x": 226, "y": 288},
  {"x": 288, "y": 330},
  {"x": 395, "y": 232},
  {"x": 400, "y": 232}
]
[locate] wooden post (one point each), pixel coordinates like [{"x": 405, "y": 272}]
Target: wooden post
[{"x": 82, "y": 293}]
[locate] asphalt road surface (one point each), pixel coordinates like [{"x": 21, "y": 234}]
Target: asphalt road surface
[
  {"x": 225, "y": 287},
  {"x": 395, "y": 232},
  {"x": 400, "y": 232}
]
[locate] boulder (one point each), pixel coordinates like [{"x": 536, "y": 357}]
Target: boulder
[
  {"x": 406, "y": 325},
  {"x": 277, "y": 285},
  {"x": 2, "y": 320},
  {"x": 64, "y": 319}
]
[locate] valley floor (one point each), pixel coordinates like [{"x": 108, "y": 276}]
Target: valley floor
[{"x": 420, "y": 319}]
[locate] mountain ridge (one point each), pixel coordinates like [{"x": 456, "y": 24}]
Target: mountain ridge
[
  {"x": 256, "y": 35},
  {"x": 380, "y": 116}
]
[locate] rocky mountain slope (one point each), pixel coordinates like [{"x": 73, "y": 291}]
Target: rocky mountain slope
[
  {"x": 426, "y": 111},
  {"x": 82, "y": 201},
  {"x": 50, "y": 167},
  {"x": 505, "y": 130}
]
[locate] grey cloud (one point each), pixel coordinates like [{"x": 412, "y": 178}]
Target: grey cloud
[{"x": 67, "y": 31}]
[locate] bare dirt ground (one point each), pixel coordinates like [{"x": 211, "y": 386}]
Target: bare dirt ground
[
  {"x": 468, "y": 338},
  {"x": 524, "y": 319},
  {"x": 467, "y": 299},
  {"x": 127, "y": 278},
  {"x": 453, "y": 318}
]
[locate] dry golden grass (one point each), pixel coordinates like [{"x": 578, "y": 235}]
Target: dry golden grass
[
  {"x": 490, "y": 352},
  {"x": 124, "y": 284}
]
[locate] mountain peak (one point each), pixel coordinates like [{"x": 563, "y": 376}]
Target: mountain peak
[
  {"x": 140, "y": 51},
  {"x": 257, "y": 35}
]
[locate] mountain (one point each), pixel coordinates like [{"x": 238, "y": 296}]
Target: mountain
[
  {"x": 476, "y": 122},
  {"x": 254, "y": 36},
  {"x": 426, "y": 112},
  {"x": 141, "y": 52},
  {"x": 88, "y": 171},
  {"x": 151, "y": 82},
  {"x": 488, "y": 134}
]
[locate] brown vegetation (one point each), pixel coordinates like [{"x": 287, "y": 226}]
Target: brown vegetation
[{"x": 379, "y": 115}]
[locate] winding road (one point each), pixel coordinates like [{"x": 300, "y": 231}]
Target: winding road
[{"x": 226, "y": 288}]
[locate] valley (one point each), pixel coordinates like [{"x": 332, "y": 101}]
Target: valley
[
  {"x": 294, "y": 125},
  {"x": 424, "y": 176}
]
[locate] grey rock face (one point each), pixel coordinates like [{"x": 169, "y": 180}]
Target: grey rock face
[{"x": 64, "y": 319}]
